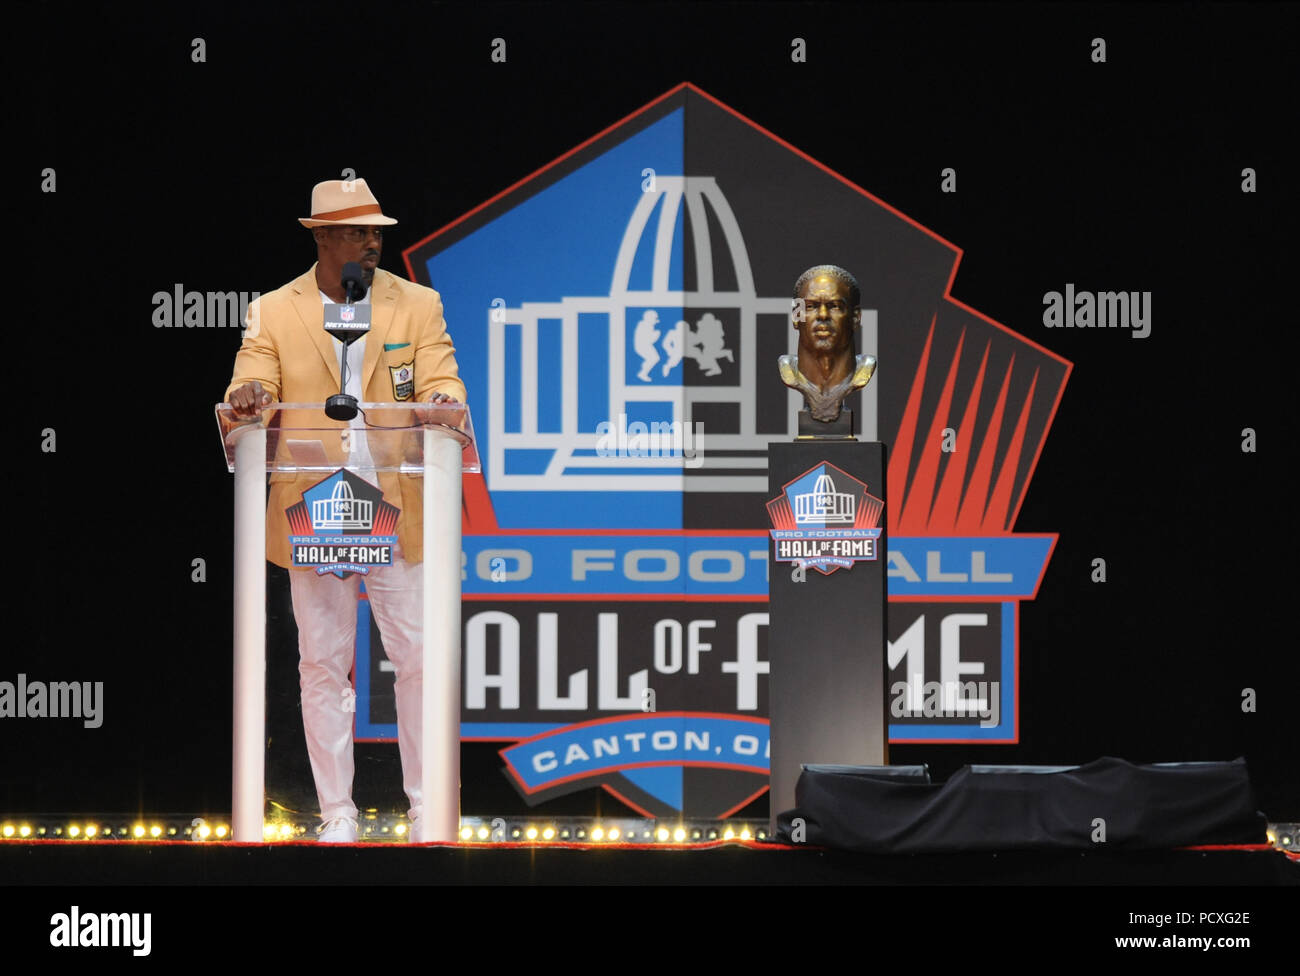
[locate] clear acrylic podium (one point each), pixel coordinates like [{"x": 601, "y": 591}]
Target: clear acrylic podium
[{"x": 435, "y": 443}]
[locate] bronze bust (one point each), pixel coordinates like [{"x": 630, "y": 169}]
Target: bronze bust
[{"x": 826, "y": 312}]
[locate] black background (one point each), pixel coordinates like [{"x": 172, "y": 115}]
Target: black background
[{"x": 1117, "y": 176}]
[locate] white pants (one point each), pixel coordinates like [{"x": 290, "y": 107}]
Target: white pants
[{"x": 325, "y": 608}]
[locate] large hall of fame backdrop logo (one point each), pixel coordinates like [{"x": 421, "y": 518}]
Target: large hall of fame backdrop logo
[{"x": 644, "y": 277}]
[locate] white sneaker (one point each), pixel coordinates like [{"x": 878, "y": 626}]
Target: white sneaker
[{"x": 340, "y": 830}]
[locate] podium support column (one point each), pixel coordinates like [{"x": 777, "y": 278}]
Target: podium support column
[
  {"x": 440, "y": 706},
  {"x": 248, "y": 799}
]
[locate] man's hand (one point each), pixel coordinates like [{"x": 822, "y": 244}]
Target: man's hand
[
  {"x": 249, "y": 399},
  {"x": 424, "y": 416}
]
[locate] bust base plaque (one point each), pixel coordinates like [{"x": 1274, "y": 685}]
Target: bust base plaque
[{"x": 839, "y": 429}]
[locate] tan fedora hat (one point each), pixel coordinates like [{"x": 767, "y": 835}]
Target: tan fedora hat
[{"x": 336, "y": 202}]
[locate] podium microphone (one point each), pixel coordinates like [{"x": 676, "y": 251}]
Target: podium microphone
[
  {"x": 347, "y": 323},
  {"x": 352, "y": 289}
]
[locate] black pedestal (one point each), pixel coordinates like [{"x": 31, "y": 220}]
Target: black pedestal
[{"x": 826, "y": 629}]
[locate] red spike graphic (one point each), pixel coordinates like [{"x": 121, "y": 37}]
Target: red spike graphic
[
  {"x": 477, "y": 516},
  {"x": 868, "y": 515},
  {"x": 943, "y": 517},
  {"x": 920, "y": 493},
  {"x": 897, "y": 475},
  {"x": 977, "y": 510},
  {"x": 779, "y": 510},
  {"x": 995, "y": 520},
  {"x": 970, "y": 521}
]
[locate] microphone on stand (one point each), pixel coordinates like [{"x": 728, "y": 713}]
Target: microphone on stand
[
  {"x": 347, "y": 323},
  {"x": 352, "y": 289}
]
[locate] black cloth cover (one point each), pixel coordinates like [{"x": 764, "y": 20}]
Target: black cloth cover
[{"x": 882, "y": 809}]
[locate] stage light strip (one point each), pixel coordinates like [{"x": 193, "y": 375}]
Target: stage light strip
[{"x": 393, "y": 828}]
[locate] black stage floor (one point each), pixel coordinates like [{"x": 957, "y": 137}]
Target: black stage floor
[{"x": 59, "y": 862}]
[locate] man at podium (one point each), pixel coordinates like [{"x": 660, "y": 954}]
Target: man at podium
[{"x": 286, "y": 356}]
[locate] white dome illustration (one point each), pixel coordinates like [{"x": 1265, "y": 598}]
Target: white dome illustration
[
  {"x": 824, "y": 505},
  {"x": 341, "y": 511}
]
